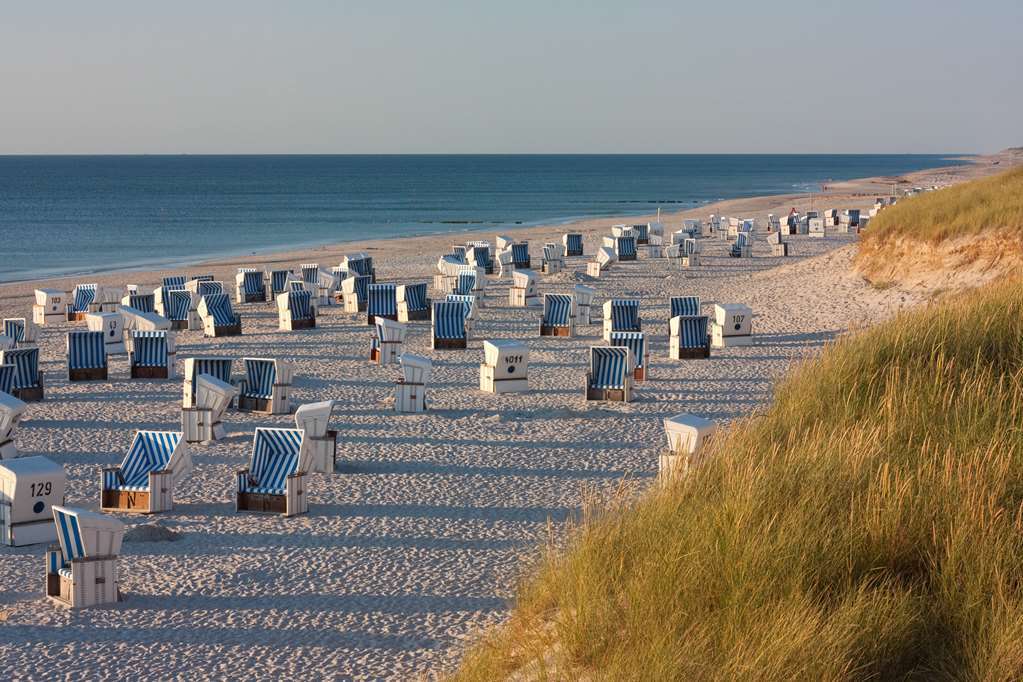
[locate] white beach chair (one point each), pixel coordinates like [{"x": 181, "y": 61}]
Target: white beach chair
[
  {"x": 50, "y": 307},
  {"x": 22, "y": 330},
  {"x": 611, "y": 374},
  {"x": 216, "y": 367},
  {"x": 558, "y": 317},
  {"x": 111, "y": 326},
  {"x": 553, "y": 259},
  {"x": 144, "y": 303},
  {"x": 218, "y": 318},
  {"x": 155, "y": 463},
  {"x": 410, "y": 390},
  {"x": 505, "y": 367},
  {"x": 27, "y": 380},
  {"x": 621, "y": 315},
  {"x": 82, "y": 570},
  {"x": 86, "y": 356},
  {"x": 176, "y": 305},
  {"x": 295, "y": 311},
  {"x": 203, "y": 422},
  {"x": 603, "y": 260},
  {"x": 522, "y": 292},
  {"x": 583, "y": 296},
  {"x": 151, "y": 354},
  {"x": 732, "y": 326},
  {"x": 387, "y": 341},
  {"x": 83, "y": 300},
  {"x": 504, "y": 242},
  {"x": 687, "y": 435},
  {"x": 573, "y": 243},
  {"x": 267, "y": 386},
  {"x": 354, "y": 291},
  {"x": 478, "y": 256},
  {"x": 275, "y": 481},
  {"x": 11, "y": 411},
  {"x": 314, "y": 419},
  {"x": 412, "y": 302},
  {"x": 249, "y": 286},
  {"x": 29, "y": 489},
  {"x": 360, "y": 264}
]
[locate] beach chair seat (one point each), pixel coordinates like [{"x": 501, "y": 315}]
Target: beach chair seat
[
  {"x": 611, "y": 374},
  {"x": 583, "y": 296},
  {"x": 688, "y": 338},
  {"x": 82, "y": 570},
  {"x": 381, "y": 301},
  {"x": 732, "y": 325},
  {"x": 29, "y": 489},
  {"x": 520, "y": 255},
  {"x": 24, "y": 331},
  {"x": 249, "y": 286},
  {"x": 385, "y": 348},
  {"x": 410, "y": 389},
  {"x": 355, "y": 293},
  {"x": 412, "y": 302},
  {"x": 203, "y": 421},
  {"x": 83, "y": 300},
  {"x": 686, "y": 306},
  {"x": 50, "y": 307},
  {"x": 27, "y": 382},
  {"x": 266, "y": 387},
  {"x": 573, "y": 243},
  {"x": 553, "y": 259},
  {"x": 295, "y": 311},
  {"x": 313, "y": 419},
  {"x": 505, "y": 367},
  {"x": 558, "y": 317},
  {"x": 204, "y": 287},
  {"x": 448, "y": 328},
  {"x": 151, "y": 354},
  {"x": 86, "y": 356},
  {"x": 275, "y": 480},
  {"x": 218, "y": 318},
  {"x": 636, "y": 343},
  {"x": 155, "y": 463},
  {"x": 687, "y": 434},
  {"x": 523, "y": 292},
  {"x": 11, "y": 411},
  {"x": 621, "y": 315}
]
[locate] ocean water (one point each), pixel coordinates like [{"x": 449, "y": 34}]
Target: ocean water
[{"x": 63, "y": 215}]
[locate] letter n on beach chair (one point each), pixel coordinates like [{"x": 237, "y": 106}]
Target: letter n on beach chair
[
  {"x": 573, "y": 244},
  {"x": 151, "y": 355},
  {"x": 249, "y": 286},
  {"x": 218, "y": 318},
  {"x": 410, "y": 390},
  {"x": 156, "y": 462},
  {"x": 689, "y": 339},
  {"x": 621, "y": 315},
  {"x": 276, "y": 477},
  {"x": 314, "y": 419},
  {"x": 381, "y": 301},
  {"x": 412, "y": 302},
  {"x": 267, "y": 386},
  {"x": 610, "y": 376},
  {"x": 558, "y": 315},
  {"x": 295, "y": 311},
  {"x": 636, "y": 343},
  {"x": 448, "y": 331},
  {"x": 83, "y": 300},
  {"x": 86, "y": 356},
  {"x": 27, "y": 382},
  {"x": 81, "y": 570}
]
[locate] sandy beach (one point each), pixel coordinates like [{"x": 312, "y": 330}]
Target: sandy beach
[{"x": 417, "y": 540}]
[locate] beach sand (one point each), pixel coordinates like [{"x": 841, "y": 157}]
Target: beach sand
[{"x": 417, "y": 541}]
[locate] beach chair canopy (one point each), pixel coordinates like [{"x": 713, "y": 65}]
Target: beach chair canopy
[
  {"x": 279, "y": 281},
  {"x": 641, "y": 231},
  {"x": 311, "y": 273},
  {"x": 358, "y": 285},
  {"x": 252, "y": 282},
  {"x": 314, "y": 418},
  {"x": 415, "y": 369},
  {"x": 479, "y": 255},
  {"x": 300, "y": 304},
  {"x": 605, "y": 256},
  {"x": 465, "y": 283},
  {"x": 86, "y": 350},
  {"x": 85, "y": 534},
  {"x": 689, "y": 247},
  {"x": 359, "y": 263},
  {"x": 144, "y": 303},
  {"x": 520, "y": 252},
  {"x": 690, "y": 330},
  {"x": 634, "y": 341},
  {"x": 151, "y": 451},
  {"x": 213, "y": 394},
  {"x": 557, "y": 309},
  {"x": 11, "y": 410},
  {"x": 205, "y": 287},
  {"x": 468, "y": 301},
  {"x": 276, "y": 454},
  {"x": 7, "y": 373},
  {"x": 583, "y": 294},
  {"x": 414, "y": 295},
  {"x": 523, "y": 279},
  {"x": 26, "y": 366},
  {"x": 174, "y": 282},
  {"x": 179, "y": 303},
  {"x": 389, "y": 330},
  {"x": 552, "y": 252},
  {"x": 14, "y": 327},
  {"x": 626, "y": 246},
  {"x": 149, "y": 349},
  {"x": 219, "y": 306},
  {"x": 382, "y": 299},
  {"x": 83, "y": 295},
  {"x": 449, "y": 319},
  {"x": 219, "y": 368},
  {"x": 609, "y": 366},
  {"x": 572, "y": 242},
  {"x": 262, "y": 373},
  {"x": 623, "y": 313},
  {"x": 685, "y": 305}
]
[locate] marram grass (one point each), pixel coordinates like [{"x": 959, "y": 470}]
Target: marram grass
[{"x": 867, "y": 525}]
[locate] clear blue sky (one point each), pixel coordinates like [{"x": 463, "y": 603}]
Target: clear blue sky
[{"x": 519, "y": 77}]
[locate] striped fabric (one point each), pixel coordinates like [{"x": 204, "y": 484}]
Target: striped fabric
[
  {"x": 26, "y": 366},
  {"x": 692, "y": 331},
  {"x": 625, "y": 246},
  {"x": 297, "y": 285},
  {"x": 218, "y": 368},
  {"x": 84, "y": 294},
  {"x": 144, "y": 303},
  {"x": 415, "y": 296},
  {"x": 86, "y": 350},
  {"x": 520, "y": 252},
  {"x": 382, "y": 299},
  {"x": 557, "y": 310},
  {"x": 449, "y": 320},
  {"x": 150, "y": 451},
  {"x": 362, "y": 283},
  {"x": 467, "y": 300},
  {"x": 625, "y": 315},
  {"x": 688, "y": 247},
  {"x": 550, "y": 253},
  {"x": 219, "y": 306},
  {"x": 459, "y": 252},
  {"x": 362, "y": 266},
  {"x": 278, "y": 281},
  {"x": 15, "y": 328},
  {"x": 260, "y": 376},
  {"x": 340, "y": 273},
  {"x": 275, "y": 456},
  {"x": 311, "y": 273},
  {"x": 201, "y": 278},
  {"x": 633, "y": 341},
  {"x": 208, "y": 287},
  {"x": 479, "y": 255},
  {"x": 252, "y": 282},
  {"x": 742, "y": 239},
  {"x": 7, "y": 373},
  {"x": 685, "y": 305},
  {"x": 174, "y": 282},
  {"x": 608, "y": 367},
  {"x": 573, "y": 243},
  {"x": 179, "y": 304},
  {"x": 747, "y": 226},
  {"x": 642, "y": 231},
  {"x": 149, "y": 349},
  {"x": 300, "y": 305},
  {"x": 69, "y": 534},
  {"x": 465, "y": 284}
]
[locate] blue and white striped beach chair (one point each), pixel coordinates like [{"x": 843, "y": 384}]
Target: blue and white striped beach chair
[
  {"x": 176, "y": 306},
  {"x": 83, "y": 301},
  {"x": 687, "y": 306},
  {"x": 7, "y": 374},
  {"x": 520, "y": 255},
  {"x": 413, "y": 303},
  {"x": 449, "y": 325},
  {"x": 249, "y": 286},
  {"x": 151, "y": 355},
  {"x": 621, "y": 315},
  {"x": 625, "y": 248},
  {"x": 468, "y": 301},
  {"x": 174, "y": 282},
  {"x": 611, "y": 374},
  {"x": 144, "y": 303},
  {"x": 636, "y": 343},
  {"x": 478, "y": 255},
  {"x": 558, "y": 315},
  {"x": 156, "y": 462},
  {"x": 381, "y": 301},
  {"x": 688, "y": 337},
  {"x": 267, "y": 386},
  {"x": 275, "y": 479},
  {"x": 465, "y": 283},
  {"x": 82, "y": 570},
  {"x": 278, "y": 281},
  {"x": 218, "y": 368},
  {"x": 573, "y": 244},
  {"x": 218, "y": 318},
  {"x": 743, "y": 245},
  {"x": 295, "y": 310},
  {"x": 354, "y": 292},
  {"x": 362, "y": 265},
  {"x": 311, "y": 273},
  {"x": 28, "y": 380},
  {"x": 553, "y": 259},
  {"x": 22, "y": 330},
  {"x": 642, "y": 233},
  {"x": 86, "y": 356}
]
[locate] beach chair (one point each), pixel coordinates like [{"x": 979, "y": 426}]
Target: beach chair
[
  {"x": 313, "y": 419},
  {"x": 29, "y": 489},
  {"x": 688, "y": 338},
  {"x": 151, "y": 354},
  {"x": 625, "y": 248},
  {"x": 311, "y": 273},
  {"x": 176, "y": 306},
  {"x": 216, "y": 367},
  {"x": 636, "y": 343},
  {"x": 687, "y": 435},
  {"x": 448, "y": 268},
  {"x": 144, "y": 303},
  {"x": 27, "y": 384},
  {"x": 278, "y": 283},
  {"x": 448, "y": 325},
  {"x": 218, "y": 319},
  {"x": 249, "y": 286},
  {"x": 199, "y": 278},
  {"x": 553, "y": 259},
  {"x": 275, "y": 481},
  {"x": 83, "y": 300},
  {"x": 81, "y": 570},
  {"x": 732, "y": 325},
  {"x": 50, "y": 307},
  {"x": 611, "y": 374},
  {"x": 361, "y": 265},
  {"x": 522, "y": 292},
  {"x": 22, "y": 330},
  {"x": 354, "y": 291},
  {"x": 583, "y": 296},
  {"x": 622, "y": 231},
  {"x": 505, "y": 367},
  {"x": 381, "y": 302},
  {"x": 684, "y": 305},
  {"x": 504, "y": 242},
  {"x": 520, "y": 255},
  {"x": 573, "y": 243},
  {"x": 642, "y": 233},
  {"x": 111, "y": 326},
  {"x": 478, "y": 256},
  {"x": 504, "y": 262},
  {"x": 385, "y": 347},
  {"x": 86, "y": 356},
  {"x": 136, "y": 320},
  {"x": 689, "y": 253},
  {"x": 410, "y": 389},
  {"x": 203, "y": 422},
  {"x": 295, "y": 311},
  {"x": 204, "y": 287},
  {"x": 267, "y": 386},
  {"x": 7, "y": 343},
  {"x": 603, "y": 260},
  {"x": 11, "y": 411},
  {"x": 742, "y": 247},
  {"x": 558, "y": 315},
  {"x": 621, "y": 315},
  {"x": 412, "y": 302},
  {"x": 156, "y": 462},
  {"x": 469, "y": 302}
]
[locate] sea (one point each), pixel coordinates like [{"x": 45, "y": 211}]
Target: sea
[{"x": 75, "y": 215}]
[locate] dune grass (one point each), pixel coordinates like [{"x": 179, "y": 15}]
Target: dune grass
[{"x": 868, "y": 525}]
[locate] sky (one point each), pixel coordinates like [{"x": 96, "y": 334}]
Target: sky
[{"x": 311, "y": 76}]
